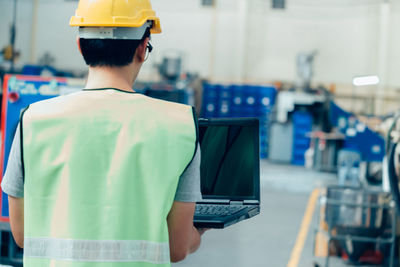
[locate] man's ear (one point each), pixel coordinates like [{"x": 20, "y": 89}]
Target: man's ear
[
  {"x": 78, "y": 42},
  {"x": 141, "y": 51}
]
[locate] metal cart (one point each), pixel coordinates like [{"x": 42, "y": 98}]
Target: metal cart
[{"x": 365, "y": 213}]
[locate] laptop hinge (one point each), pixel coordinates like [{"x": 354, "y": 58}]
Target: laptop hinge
[
  {"x": 236, "y": 202},
  {"x": 250, "y": 202}
]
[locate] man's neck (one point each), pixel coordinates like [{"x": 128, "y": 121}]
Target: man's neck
[{"x": 112, "y": 77}]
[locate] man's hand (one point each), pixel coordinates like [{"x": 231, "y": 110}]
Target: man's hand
[
  {"x": 202, "y": 230},
  {"x": 184, "y": 238}
]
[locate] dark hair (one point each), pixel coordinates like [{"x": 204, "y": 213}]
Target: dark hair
[{"x": 110, "y": 52}]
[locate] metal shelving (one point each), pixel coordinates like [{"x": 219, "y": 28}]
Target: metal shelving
[{"x": 330, "y": 234}]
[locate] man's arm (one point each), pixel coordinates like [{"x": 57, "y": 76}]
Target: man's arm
[
  {"x": 13, "y": 185},
  {"x": 184, "y": 238},
  {"x": 16, "y": 207}
]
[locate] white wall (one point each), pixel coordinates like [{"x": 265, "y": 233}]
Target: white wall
[
  {"x": 238, "y": 40},
  {"x": 24, "y": 19},
  {"x": 394, "y": 47},
  {"x": 344, "y": 35}
]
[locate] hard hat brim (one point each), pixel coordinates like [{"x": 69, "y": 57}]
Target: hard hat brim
[{"x": 117, "y": 22}]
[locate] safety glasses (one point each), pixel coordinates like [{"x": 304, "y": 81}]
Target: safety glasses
[{"x": 149, "y": 49}]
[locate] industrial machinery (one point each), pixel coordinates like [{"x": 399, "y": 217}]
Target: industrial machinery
[
  {"x": 357, "y": 224},
  {"x": 301, "y": 109},
  {"x": 363, "y": 218},
  {"x": 305, "y": 70},
  {"x": 357, "y": 219},
  {"x": 18, "y": 92},
  {"x": 9, "y": 53},
  {"x": 171, "y": 65},
  {"x": 393, "y": 159},
  {"x": 174, "y": 84}
]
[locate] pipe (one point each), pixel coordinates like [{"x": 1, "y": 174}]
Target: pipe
[
  {"x": 382, "y": 55},
  {"x": 32, "y": 59},
  {"x": 213, "y": 41},
  {"x": 393, "y": 179},
  {"x": 13, "y": 32}
]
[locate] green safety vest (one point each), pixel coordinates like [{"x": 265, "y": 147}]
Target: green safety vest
[{"x": 101, "y": 169}]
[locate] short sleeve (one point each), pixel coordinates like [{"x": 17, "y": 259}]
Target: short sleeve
[
  {"x": 13, "y": 181},
  {"x": 189, "y": 183}
]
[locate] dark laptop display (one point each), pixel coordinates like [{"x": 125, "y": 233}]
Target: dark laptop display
[{"x": 230, "y": 179}]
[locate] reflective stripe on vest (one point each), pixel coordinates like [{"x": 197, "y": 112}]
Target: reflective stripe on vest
[
  {"x": 97, "y": 250},
  {"x": 102, "y": 165}
]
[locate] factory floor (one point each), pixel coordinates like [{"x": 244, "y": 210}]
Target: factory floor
[{"x": 269, "y": 239}]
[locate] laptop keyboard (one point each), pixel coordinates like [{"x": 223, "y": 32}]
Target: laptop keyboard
[{"x": 220, "y": 210}]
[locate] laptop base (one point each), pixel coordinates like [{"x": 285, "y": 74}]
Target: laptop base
[{"x": 221, "y": 222}]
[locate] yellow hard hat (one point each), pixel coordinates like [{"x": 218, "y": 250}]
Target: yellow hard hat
[{"x": 115, "y": 13}]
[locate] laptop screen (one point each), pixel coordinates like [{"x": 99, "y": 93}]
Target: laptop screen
[{"x": 229, "y": 158}]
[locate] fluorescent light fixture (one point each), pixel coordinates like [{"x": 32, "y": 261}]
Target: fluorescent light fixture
[{"x": 366, "y": 80}]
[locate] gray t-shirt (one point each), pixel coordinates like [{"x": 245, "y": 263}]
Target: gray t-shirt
[{"x": 13, "y": 183}]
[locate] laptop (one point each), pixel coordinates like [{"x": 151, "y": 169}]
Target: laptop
[{"x": 230, "y": 172}]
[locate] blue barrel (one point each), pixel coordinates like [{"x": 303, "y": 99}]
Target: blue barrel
[
  {"x": 266, "y": 96},
  {"x": 263, "y": 130},
  {"x": 210, "y": 101},
  {"x": 264, "y": 114},
  {"x": 250, "y": 101},
  {"x": 264, "y": 138},
  {"x": 265, "y": 101},
  {"x": 237, "y": 100},
  {"x": 263, "y": 142},
  {"x": 302, "y": 124},
  {"x": 248, "y": 112},
  {"x": 224, "y": 101}
]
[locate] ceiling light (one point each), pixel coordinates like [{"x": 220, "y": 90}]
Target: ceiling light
[{"x": 366, "y": 80}]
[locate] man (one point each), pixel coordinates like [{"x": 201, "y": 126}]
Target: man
[{"x": 106, "y": 176}]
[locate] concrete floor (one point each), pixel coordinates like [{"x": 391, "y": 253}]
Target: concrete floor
[{"x": 268, "y": 239}]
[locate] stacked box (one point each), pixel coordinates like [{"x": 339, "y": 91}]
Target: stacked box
[
  {"x": 250, "y": 101},
  {"x": 302, "y": 124},
  {"x": 265, "y": 100},
  {"x": 358, "y": 135},
  {"x": 210, "y": 101},
  {"x": 226, "y": 101},
  {"x": 237, "y": 99}
]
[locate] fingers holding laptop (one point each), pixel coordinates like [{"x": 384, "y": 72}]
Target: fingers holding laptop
[{"x": 202, "y": 230}]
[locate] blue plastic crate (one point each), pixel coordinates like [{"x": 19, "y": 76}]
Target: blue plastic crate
[
  {"x": 299, "y": 153},
  {"x": 210, "y": 101},
  {"x": 299, "y": 162},
  {"x": 302, "y": 119},
  {"x": 224, "y": 110},
  {"x": 249, "y": 112},
  {"x": 250, "y": 95},
  {"x": 266, "y": 96},
  {"x": 236, "y": 112},
  {"x": 224, "y": 101},
  {"x": 302, "y": 124},
  {"x": 237, "y": 99},
  {"x": 210, "y": 90},
  {"x": 302, "y": 142},
  {"x": 263, "y": 132},
  {"x": 264, "y": 144},
  {"x": 300, "y": 133},
  {"x": 263, "y": 151},
  {"x": 209, "y": 108},
  {"x": 264, "y": 110},
  {"x": 241, "y": 101},
  {"x": 224, "y": 92}
]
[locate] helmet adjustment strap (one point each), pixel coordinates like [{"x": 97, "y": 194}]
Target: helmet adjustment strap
[{"x": 116, "y": 33}]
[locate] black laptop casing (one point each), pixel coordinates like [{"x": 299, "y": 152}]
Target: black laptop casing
[{"x": 251, "y": 204}]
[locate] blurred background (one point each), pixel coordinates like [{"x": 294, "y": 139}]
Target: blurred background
[{"x": 322, "y": 76}]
